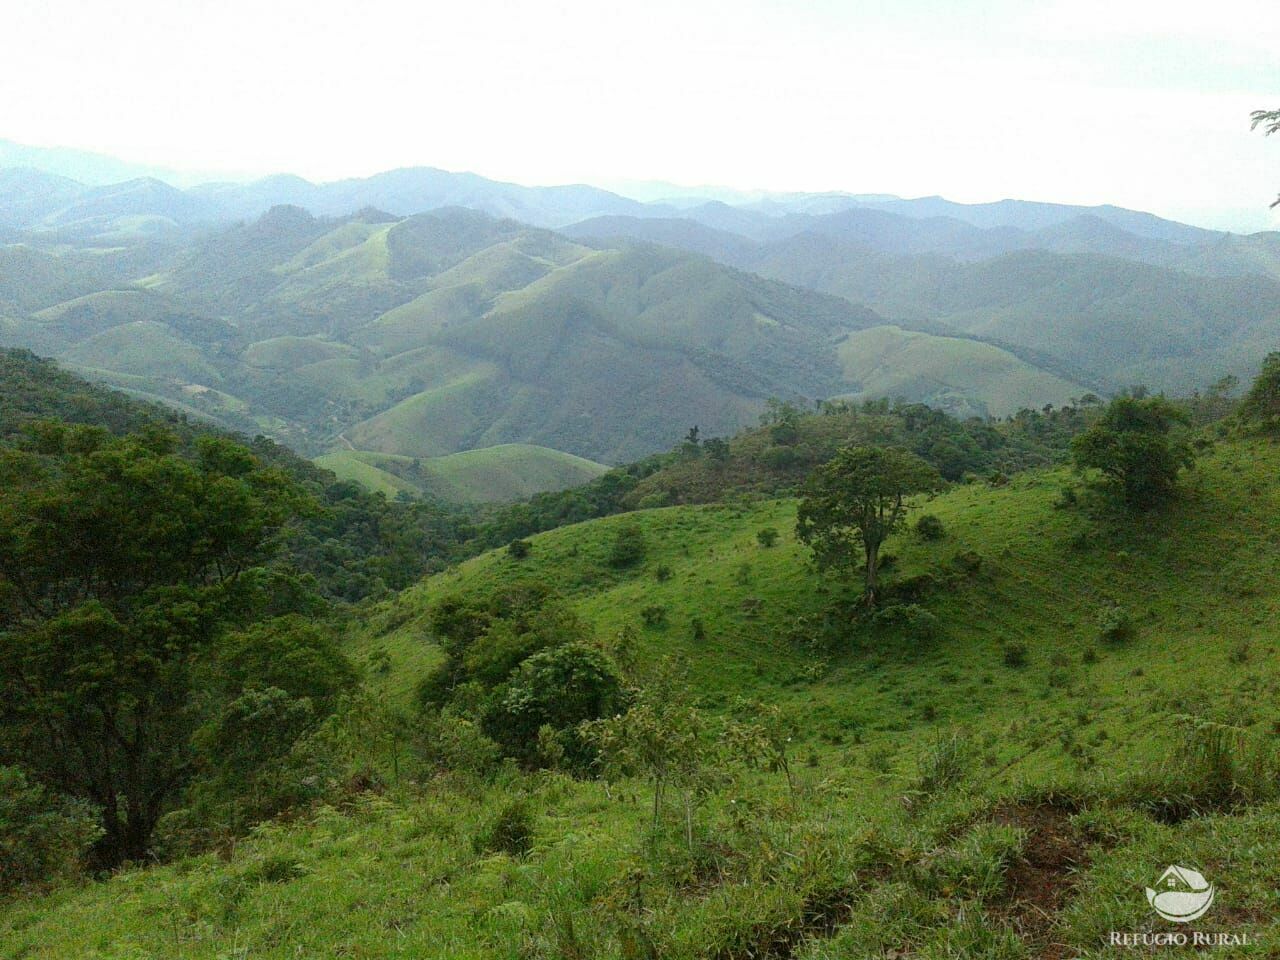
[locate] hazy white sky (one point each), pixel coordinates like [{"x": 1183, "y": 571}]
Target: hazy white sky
[{"x": 1142, "y": 103}]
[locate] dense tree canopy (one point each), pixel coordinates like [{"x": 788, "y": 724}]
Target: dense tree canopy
[{"x": 121, "y": 562}]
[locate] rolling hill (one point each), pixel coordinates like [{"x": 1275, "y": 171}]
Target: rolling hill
[
  {"x": 1005, "y": 789},
  {"x": 964, "y": 377},
  {"x": 513, "y": 471},
  {"x": 443, "y": 332}
]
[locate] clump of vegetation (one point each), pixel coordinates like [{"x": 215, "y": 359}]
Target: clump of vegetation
[
  {"x": 767, "y": 537},
  {"x": 509, "y": 831},
  {"x": 43, "y": 837},
  {"x": 1014, "y": 655},
  {"x": 929, "y": 527},
  {"x": 558, "y": 688},
  {"x": 628, "y": 547},
  {"x": 654, "y": 615},
  {"x": 1135, "y": 448},
  {"x": 944, "y": 764},
  {"x": 910, "y": 620},
  {"x": 519, "y": 549},
  {"x": 1261, "y": 406},
  {"x": 1115, "y": 624}
]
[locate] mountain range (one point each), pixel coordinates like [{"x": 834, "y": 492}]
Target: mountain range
[{"x": 391, "y": 321}]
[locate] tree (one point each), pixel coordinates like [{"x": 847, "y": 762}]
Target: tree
[
  {"x": 858, "y": 499},
  {"x": 121, "y": 563},
  {"x": 1132, "y": 446},
  {"x": 1262, "y": 403}
]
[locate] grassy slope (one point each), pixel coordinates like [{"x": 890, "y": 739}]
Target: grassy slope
[
  {"x": 397, "y": 876},
  {"x": 964, "y": 376},
  {"x": 508, "y": 471}
]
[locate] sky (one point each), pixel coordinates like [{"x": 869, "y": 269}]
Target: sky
[{"x": 1140, "y": 103}]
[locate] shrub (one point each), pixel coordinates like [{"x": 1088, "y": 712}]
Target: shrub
[
  {"x": 519, "y": 549},
  {"x": 662, "y": 573},
  {"x": 448, "y": 742},
  {"x": 944, "y": 764},
  {"x": 654, "y": 615},
  {"x": 1115, "y": 625},
  {"x": 699, "y": 629},
  {"x": 560, "y": 687},
  {"x": 628, "y": 546},
  {"x": 510, "y": 831},
  {"x": 42, "y": 837},
  {"x": 767, "y": 537},
  {"x": 929, "y": 527},
  {"x": 1015, "y": 655},
  {"x": 909, "y": 619}
]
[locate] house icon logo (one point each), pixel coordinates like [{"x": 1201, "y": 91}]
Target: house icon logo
[{"x": 1181, "y": 895}]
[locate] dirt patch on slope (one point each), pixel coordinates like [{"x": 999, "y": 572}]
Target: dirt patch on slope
[{"x": 1041, "y": 882}]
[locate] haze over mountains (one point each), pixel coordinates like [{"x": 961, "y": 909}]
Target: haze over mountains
[{"x": 418, "y": 313}]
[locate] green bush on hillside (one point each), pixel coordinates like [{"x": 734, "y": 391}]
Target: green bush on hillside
[
  {"x": 509, "y": 831},
  {"x": 42, "y": 837},
  {"x": 1014, "y": 655},
  {"x": 559, "y": 688},
  {"x": 1115, "y": 625},
  {"x": 909, "y": 620},
  {"x": 628, "y": 547},
  {"x": 1134, "y": 446},
  {"x": 929, "y": 527}
]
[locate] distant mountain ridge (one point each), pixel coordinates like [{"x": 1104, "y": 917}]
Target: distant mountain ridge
[{"x": 419, "y": 313}]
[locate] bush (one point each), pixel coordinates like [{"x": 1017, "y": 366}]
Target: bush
[
  {"x": 1015, "y": 655},
  {"x": 455, "y": 744},
  {"x": 1115, "y": 625},
  {"x": 628, "y": 547},
  {"x": 662, "y": 573},
  {"x": 519, "y": 549},
  {"x": 510, "y": 831},
  {"x": 42, "y": 837},
  {"x": 654, "y": 615},
  {"x": 559, "y": 688},
  {"x": 929, "y": 527},
  {"x": 909, "y": 619},
  {"x": 767, "y": 537}
]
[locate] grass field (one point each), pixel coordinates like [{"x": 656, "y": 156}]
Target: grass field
[
  {"x": 964, "y": 376},
  {"x": 509, "y": 471},
  {"x": 980, "y": 794}
]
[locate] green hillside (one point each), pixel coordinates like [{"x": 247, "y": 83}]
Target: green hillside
[
  {"x": 996, "y": 791},
  {"x": 505, "y": 472},
  {"x": 437, "y": 333},
  {"x": 1103, "y": 319},
  {"x": 963, "y": 377}
]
